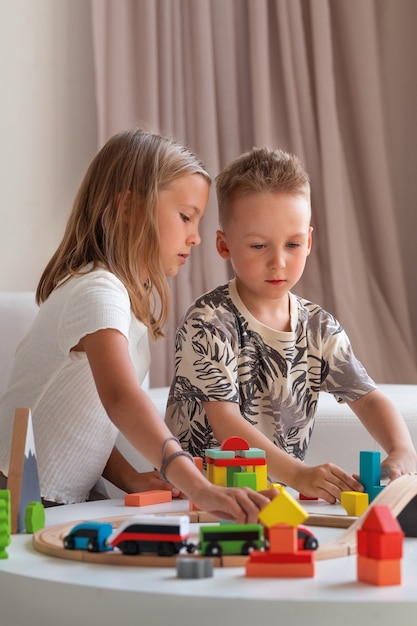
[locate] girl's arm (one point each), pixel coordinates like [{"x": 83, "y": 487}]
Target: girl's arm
[
  {"x": 124, "y": 476},
  {"x": 385, "y": 424},
  {"x": 134, "y": 414},
  {"x": 326, "y": 481}
]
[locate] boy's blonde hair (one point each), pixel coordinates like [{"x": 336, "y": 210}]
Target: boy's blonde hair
[
  {"x": 260, "y": 170},
  {"x": 133, "y": 166}
]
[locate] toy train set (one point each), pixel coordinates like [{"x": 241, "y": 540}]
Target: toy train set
[{"x": 167, "y": 535}]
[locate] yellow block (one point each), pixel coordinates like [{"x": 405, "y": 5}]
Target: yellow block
[
  {"x": 354, "y": 502},
  {"x": 283, "y": 509},
  {"x": 261, "y": 472}
]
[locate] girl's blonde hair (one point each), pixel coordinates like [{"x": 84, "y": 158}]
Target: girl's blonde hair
[{"x": 133, "y": 166}]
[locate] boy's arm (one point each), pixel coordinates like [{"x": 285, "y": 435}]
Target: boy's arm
[
  {"x": 386, "y": 425},
  {"x": 326, "y": 481}
]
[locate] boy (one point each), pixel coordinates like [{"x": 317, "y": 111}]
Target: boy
[{"x": 252, "y": 357}]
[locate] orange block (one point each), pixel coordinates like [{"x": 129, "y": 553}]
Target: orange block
[
  {"x": 144, "y": 498},
  {"x": 282, "y": 539},
  {"x": 379, "y": 572},
  {"x": 198, "y": 462}
]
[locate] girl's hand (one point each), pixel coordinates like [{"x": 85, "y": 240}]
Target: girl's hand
[
  {"x": 325, "y": 481},
  {"x": 152, "y": 481},
  {"x": 241, "y": 505}
]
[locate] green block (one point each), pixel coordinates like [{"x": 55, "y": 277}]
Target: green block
[
  {"x": 244, "y": 479},
  {"x": 34, "y": 517}
]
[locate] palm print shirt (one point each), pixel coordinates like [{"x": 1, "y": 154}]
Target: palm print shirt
[{"x": 224, "y": 354}]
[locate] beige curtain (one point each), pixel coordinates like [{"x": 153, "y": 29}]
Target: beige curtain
[{"x": 311, "y": 76}]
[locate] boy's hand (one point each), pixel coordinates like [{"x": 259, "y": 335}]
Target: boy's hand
[
  {"x": 326, "y": 481},
  {"x": 398, "y": 463}
]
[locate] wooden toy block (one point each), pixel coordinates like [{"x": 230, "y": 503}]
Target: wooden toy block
[
  {"x": 261, "y": 472},
  {"x": 252, "y": 453},
  {"x": 381, "y": 519},
  {"x": 282, "y": 539},
  {"x": 370, "y": 472},
  {"x": 374, "y": 492},
  {"x": 303, "y": 497},
  {"x": 219, "y": 476},
  {"x": 5, "y": 522},
  {"x": 230, "y": 472},
  {"x": 216, "y": 453},
  {"x": 280, "y": 570},
  {"x": 301, "y": 557},
  {"x": 23, "y": 479},
  {"x": 234, "y": 443},
  {"x": 34, "y": 517},
  {"x": 237, "y": 460},
  {"x": 379, "y": 572},
  {"x": 385, "y": 546},
  {"x": 381, "y": 536},
  {"x": 244, "y": 479},
  {"x": 283, "y": 509},
  {"x": 266, "y": 565},
  {"x": 188, "y": 567},
  {"x": 198, "y": 462},
  {"x": 144, "y": 498},
  {"x": 354, "y": 502}
]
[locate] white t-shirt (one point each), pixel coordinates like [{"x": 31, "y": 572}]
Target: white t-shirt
[{"x": 73, "y": 434}]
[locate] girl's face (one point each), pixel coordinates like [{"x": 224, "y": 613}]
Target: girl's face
[
  {"x": 267, "y": 240},
  {"x": 180, "y": 208}
]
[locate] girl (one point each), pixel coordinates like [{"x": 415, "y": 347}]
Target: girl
[{"x": 133, "y": 224}]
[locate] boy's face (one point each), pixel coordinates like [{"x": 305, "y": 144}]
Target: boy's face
[{"x": 267, "y": 239}]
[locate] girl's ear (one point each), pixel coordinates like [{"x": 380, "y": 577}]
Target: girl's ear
[
  {"x": 124, "y": 204},
  {"x": 221, "y": 245}
]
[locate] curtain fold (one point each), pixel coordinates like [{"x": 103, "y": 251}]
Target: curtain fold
[{"x": 306, "y": 75}]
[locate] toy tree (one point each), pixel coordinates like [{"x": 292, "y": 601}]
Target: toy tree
[{"x": 23, "y": 480}]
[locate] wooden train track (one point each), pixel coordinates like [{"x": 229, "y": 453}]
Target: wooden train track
[{"x": 397, "y": 495}]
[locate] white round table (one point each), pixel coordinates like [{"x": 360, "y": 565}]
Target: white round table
[{"x": 39, "y": 590}]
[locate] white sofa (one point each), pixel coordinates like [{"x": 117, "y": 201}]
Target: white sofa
[{"x": 338, "y": 435}]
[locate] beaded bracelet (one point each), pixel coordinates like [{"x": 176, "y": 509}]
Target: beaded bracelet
[{"x": 167, "y": 461}]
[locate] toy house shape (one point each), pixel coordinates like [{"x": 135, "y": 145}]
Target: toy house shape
[
  {"x": 23, "y": 479},
  {"x": 236, "y": 457},
  {"x": 282, "y": 558},
  {"x": 380, "y": 545}
]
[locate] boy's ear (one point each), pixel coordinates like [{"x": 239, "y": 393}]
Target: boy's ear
[
  {"x": 124, "y": 204},
  {"x": 310, "y": 239},
  {"x": 221, "y": 245}
]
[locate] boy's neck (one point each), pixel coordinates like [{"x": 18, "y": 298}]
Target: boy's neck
[{"x": 275, "y": 314}]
